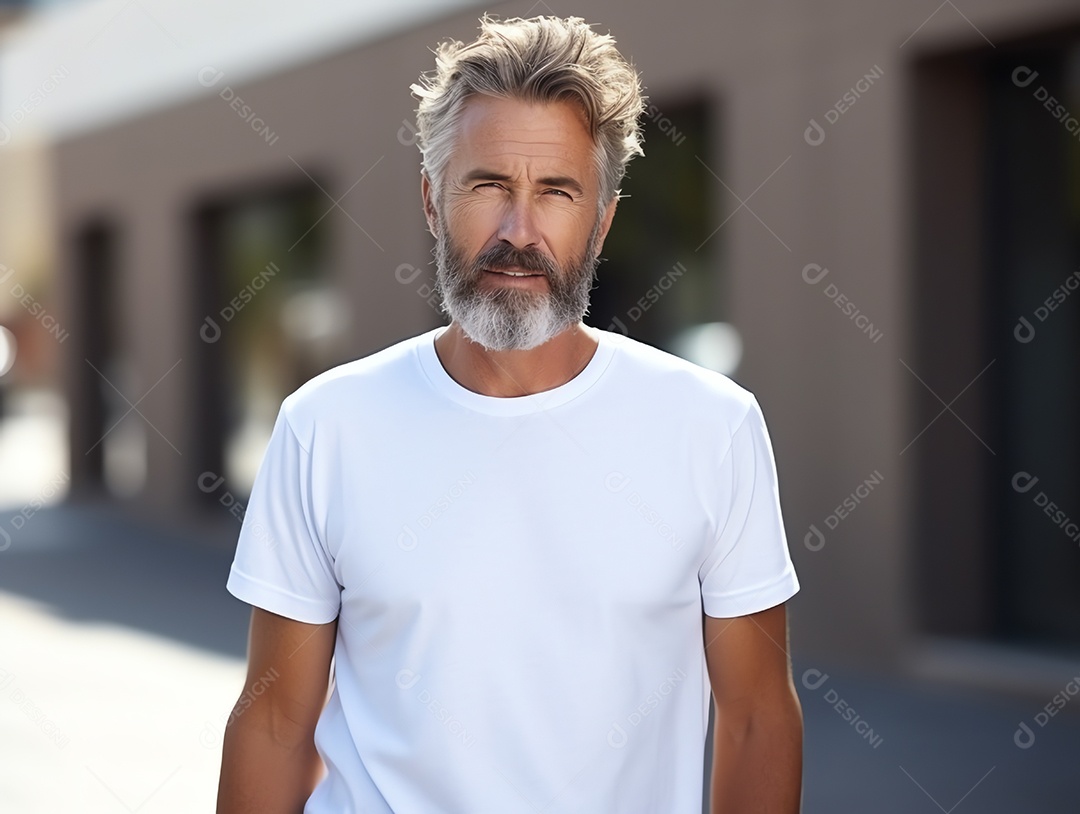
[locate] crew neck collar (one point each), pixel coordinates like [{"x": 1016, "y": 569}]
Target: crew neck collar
[{"x": 511, "y": 405}]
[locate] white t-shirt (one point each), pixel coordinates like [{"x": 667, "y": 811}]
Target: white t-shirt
[{"x": 519, "y": 581}]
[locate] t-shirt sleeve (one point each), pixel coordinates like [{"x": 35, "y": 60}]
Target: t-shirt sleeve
[
  {"x": 281, "y": 564},
  {"x": 749, "y": 568}
]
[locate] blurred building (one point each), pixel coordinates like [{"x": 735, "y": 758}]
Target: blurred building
[
  {"x": 11, "y": 10},
  {"x": 24, "y": 230},
  {"x": 882, "y": 199}
]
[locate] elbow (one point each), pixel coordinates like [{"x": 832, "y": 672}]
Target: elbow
[
  {"x": 773, "y": 718},
  {"x": 273, "y": 722}
]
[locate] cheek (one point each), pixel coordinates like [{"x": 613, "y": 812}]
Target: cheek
[
  {"x": 473, "y": 222},
  {"x": 569, "y": 231}
]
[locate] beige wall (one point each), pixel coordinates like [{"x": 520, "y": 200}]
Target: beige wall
[{"x": 838, "y": 404}]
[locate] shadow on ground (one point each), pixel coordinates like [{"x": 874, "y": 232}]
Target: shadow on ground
[{"x": 94, "y": 564}]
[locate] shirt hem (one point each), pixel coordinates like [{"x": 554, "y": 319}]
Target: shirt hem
[
  {"x": 265, "y": 596},
  {"x": 752, "y": 601}
]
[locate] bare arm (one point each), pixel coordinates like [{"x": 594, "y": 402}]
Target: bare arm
[
  {"x": 269, "y": 764},
  {"x": 757, "y": 742}
]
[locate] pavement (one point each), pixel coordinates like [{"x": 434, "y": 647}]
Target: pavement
[{"x": 121, "y": 654}]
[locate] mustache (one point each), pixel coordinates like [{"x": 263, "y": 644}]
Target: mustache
[{"x": 503, "y": 256}]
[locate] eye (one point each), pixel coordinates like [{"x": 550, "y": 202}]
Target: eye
[
  {"x": 493, "y": 184},
  {"x": 562, "y": 192}
]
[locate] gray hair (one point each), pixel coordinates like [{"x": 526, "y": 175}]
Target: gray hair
[{"x": 542, "y": 59}]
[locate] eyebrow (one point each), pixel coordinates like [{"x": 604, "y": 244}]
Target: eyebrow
[{"x": 550, "y": 181}]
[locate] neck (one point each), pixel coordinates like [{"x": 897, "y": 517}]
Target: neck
[{"x": 510, "y": 373}]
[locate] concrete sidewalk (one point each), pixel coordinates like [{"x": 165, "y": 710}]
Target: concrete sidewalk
[{"x": 121, "y": 654}]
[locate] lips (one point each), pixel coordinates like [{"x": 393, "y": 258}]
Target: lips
[{"x": 514, "y": 273}]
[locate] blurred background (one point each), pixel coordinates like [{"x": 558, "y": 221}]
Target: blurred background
[{"x": 866, "y": 213}]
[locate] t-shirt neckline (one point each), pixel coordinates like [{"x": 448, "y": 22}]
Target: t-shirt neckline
[{"x": 445, "y": 384}]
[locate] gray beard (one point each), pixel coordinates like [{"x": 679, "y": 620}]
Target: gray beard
[{"x": 510, "y": 318}]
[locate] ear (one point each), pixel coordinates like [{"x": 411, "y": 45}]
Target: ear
[
  {"x": 605, "y": 223},
  {"x": 427, "y": 195}
]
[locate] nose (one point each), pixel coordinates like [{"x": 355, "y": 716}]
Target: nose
[{"x": 518, "y": 226}]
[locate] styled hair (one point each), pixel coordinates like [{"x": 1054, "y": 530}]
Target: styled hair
[{"x": 541, "y": 59}]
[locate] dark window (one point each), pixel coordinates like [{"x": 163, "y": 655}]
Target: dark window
[
  {"x": 659, "y": 279},
  {"x": 99, "y": 367},
  {"x": 996, "y": 273},
  {"x": 1033, "y": 263},
  {"x": 268, "y": 320}
]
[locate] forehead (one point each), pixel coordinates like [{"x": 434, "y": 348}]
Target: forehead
[{"x": 513, "y": 134}]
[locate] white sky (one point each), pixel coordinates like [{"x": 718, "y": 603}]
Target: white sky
[{"x": 74, "y": 67}]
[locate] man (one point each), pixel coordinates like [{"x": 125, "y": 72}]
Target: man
[{"x": 528, "y": 548}]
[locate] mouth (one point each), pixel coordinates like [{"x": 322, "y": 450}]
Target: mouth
[{"x": 514, "y": 273}]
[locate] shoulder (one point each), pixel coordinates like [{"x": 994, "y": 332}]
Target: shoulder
[
  {"x": 679, "y": 385},
  {"x": 351, "y": 389}
]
